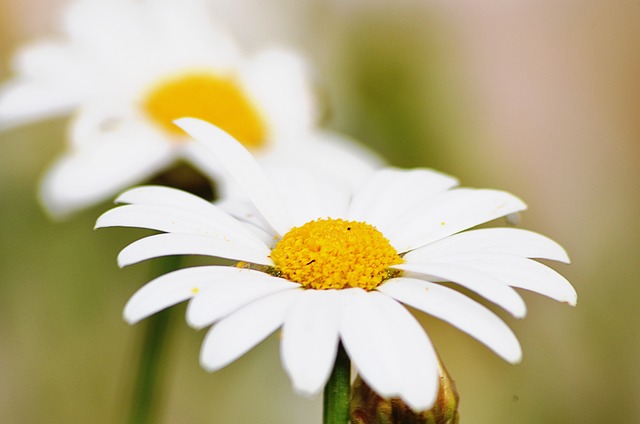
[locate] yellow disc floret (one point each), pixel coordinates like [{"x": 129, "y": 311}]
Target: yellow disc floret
[
  {"x": 210, "y": 97},
  {"x": 335, "y": 254}
]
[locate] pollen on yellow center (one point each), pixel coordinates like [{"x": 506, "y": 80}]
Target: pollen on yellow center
[
  {"x": 212, "y": 98},
  {"x": 335, "y": 254}
]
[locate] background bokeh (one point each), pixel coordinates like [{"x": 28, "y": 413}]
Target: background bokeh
[{"x": 540, "y": 98}]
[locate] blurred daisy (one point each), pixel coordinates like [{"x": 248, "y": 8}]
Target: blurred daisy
[
  {"x": 329, "y": 265},
  {"x": 127, "y": 69}
]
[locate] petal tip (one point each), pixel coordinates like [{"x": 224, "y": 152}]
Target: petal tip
[
  {"x": 515, "y": 357},
  {"x": 305, "y": 391},
  {"x": 194, "y": 323},
  {"x": 129, "y": 317},
  {"x": 122, "y": 261},
  {"x": 520, "y": 314},
  {"x": 188, "y": 124},
  {"x": 519, "y": 311},
  {"x": 209, "y": 365},
  {"x": 100, "y": 222}
]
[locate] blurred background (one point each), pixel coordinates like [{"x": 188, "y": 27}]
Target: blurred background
[{"x": 539, "y": 98}]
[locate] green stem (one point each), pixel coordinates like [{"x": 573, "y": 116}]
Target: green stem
[
  {"x": 337, "y": 391},
  {"x": 152, "y": 355}
]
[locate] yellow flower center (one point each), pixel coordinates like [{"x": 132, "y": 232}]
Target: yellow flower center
[
  {"x": 212, "y": 98},
  {"x": 335, "y": 254}
]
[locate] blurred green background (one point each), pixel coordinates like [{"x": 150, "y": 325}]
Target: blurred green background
[{"x": 538, "y": 98}]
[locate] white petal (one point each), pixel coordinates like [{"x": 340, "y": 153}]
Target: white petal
[
  {"x": 182, "y": 220},
  {"x": 390, "y": 350},
  {"x": 459, "y": 311},
  {"x": 51, "y": 79},
  {"x": 149, "y": 39},
  {"x": 92, "y": 174},
  {"x": 172, "y": 219},
  {"x": 165, "y": 196},
  {"x": 449, "y": 213},
  {"x": 228, "y": 296},
  {"x": 82, "y": 19},
  {"x": 519, "y": 272},
  {"x": 115, "y": 120},
  {"x": 189, "y": 34},
  {"x": 308, "y": 196},
  {"x": 344, "y": 159},
  {"x": 106, "y": 31},
  {"x": 238, "y": 333},
  {"x": 192, "y": 244},
  {"x": 332, "y": 156},
  {"x": 492, "y": 240},
  {"x": 374, "y": 201},
  {"x": 417, "y": 359},
  {"x": 310, "y": 340},
  {"x": 172, "y": 288},
  {"x": 480, "y": 282},
  {"x": 245, "y": 212},
  {"x": 278, "y": 81},
  {"x": 53, "y": 63},
  {"x": 22, "y": 102},
  {"x": 160, "y": 218},
  {"x": 365, "y": 336},
  {"x": 239, "y": 163},
  {"x": 171, "y": 197}
]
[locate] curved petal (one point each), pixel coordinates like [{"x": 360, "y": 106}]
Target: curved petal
[
  {"x": 459, "y": 311},
  {"x": 189, "y": 35},
  {"x": 238, "y": 333},
  {"x": 239, "y": 163},
  {"x": 55, "y": 64},
  {"x": 150, "y": 34},
  {"x": 278, "y": 81},
  {"x": 519, "y": 272},
  {"x": 171, "y": 197},
  {"x": 371, "y": 202},
  {"x": 165, "y": 196},
  {"x": 365, "y": 335},
  {"x": 102, "y": 168},
  {"x": 308, "y": 196},
  {"x": 449, "y": 213},
  {"x": 351, "y": 162},
  {"x": 418, "y": 360},
  {"x": 245, "y": 212},
  {"x": 310, "y": 340},
  {"x": 105, "y": 30},
  {"x": 482, "y": 283},
  {"x": 162, "y": 218},
  {"x": 22, "y": 102},
  {"x": 226, "y": 297},
  {"x": 332, "y": 156},
  {"x": 511, "y": 241},
  {"x": 174, "y": 287},
  {"x": 192, "y": 244},
  {"x": 51, "y": 79},
  {"x": 114, "y": 119},
  {"x": 216, "y": 224},
  {"x": 389, "y": 348}
]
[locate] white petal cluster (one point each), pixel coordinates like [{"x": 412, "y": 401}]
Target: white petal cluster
[
  {"x": 104, "y": 62},
  {"x": 425, "y": 217}
]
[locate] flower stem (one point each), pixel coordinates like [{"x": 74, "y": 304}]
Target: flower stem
[
  {"x": 152, "y": 355},
  {"x": 338, "y": 390}
]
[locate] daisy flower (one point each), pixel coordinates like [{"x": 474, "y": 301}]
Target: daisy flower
[
  {"x": 330, "y": 265},
  {"x": 127, "y": 69}
]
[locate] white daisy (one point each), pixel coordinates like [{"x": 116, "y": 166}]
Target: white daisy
[
  {"x": 127, "y": 69},
  {"x": 331, "y": 266}
]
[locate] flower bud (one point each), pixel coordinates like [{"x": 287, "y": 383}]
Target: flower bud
[{"x": 367, "y": 407}]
